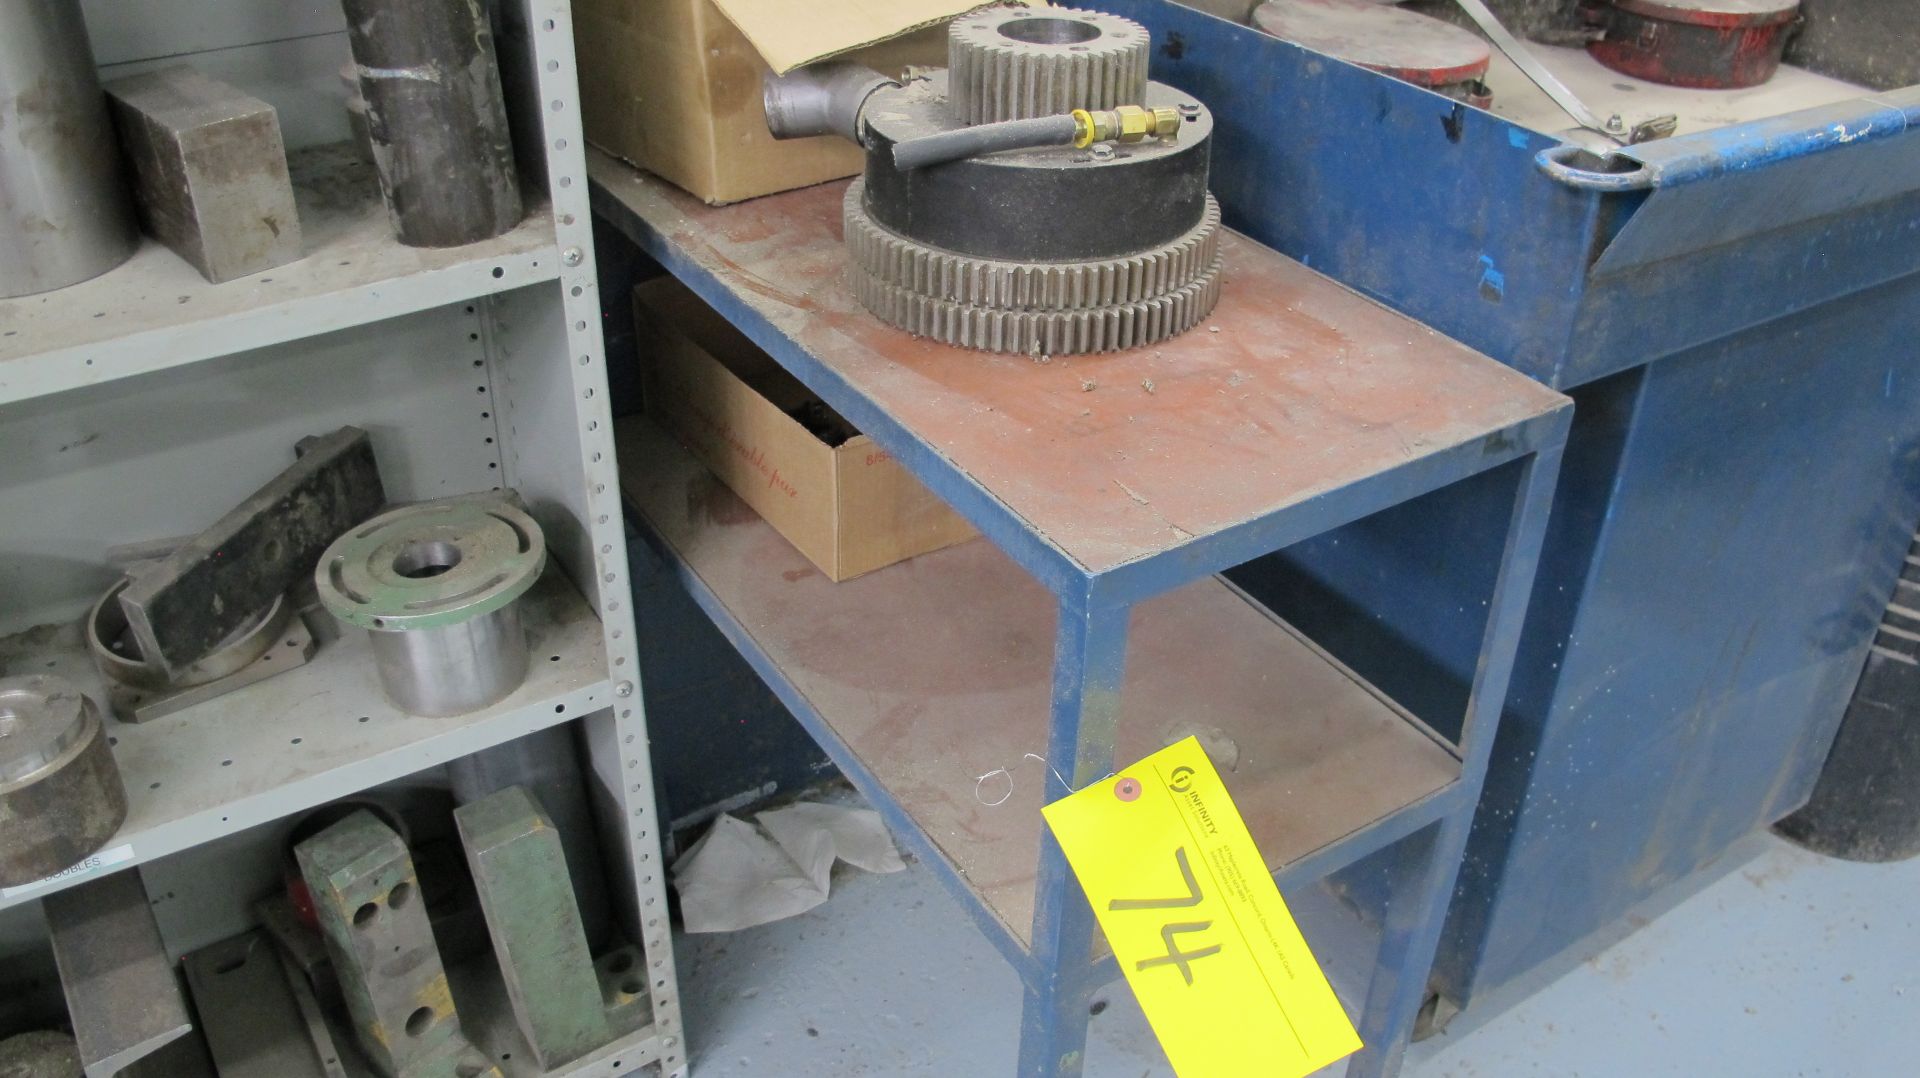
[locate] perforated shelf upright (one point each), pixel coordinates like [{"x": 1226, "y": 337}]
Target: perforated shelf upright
[
  {"x": 144, "y": 403},
  {"x": 1111, "y": 491}
]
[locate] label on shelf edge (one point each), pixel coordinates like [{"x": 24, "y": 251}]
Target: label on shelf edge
[
  {"x": 1196, "y": 923},
  {"x": 118, "y": 855}
]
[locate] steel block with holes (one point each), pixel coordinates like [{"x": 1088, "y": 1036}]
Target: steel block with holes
[
  {"x": 623, "y": 988},
  {"x": 520, "y": 870},
  {"x": 367, "y": 899}
]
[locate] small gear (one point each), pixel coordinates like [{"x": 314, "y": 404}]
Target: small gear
[{"x": 1013, "y": 63}]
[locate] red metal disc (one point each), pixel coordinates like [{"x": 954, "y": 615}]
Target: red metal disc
[
  {"x": 1704, "y": 44},
  {"x": 1723, "y": 14},
  {"x": 1418, "y": 48}
]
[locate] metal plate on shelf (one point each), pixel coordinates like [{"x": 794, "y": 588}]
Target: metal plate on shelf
[
  {"x": 308, "y": 1004},
  {"x": 253, "y": 1025},
  {"x": 121, "y": 993}
]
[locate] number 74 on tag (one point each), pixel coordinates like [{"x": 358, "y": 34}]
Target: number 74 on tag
[{"x": 1196, "y": 923}]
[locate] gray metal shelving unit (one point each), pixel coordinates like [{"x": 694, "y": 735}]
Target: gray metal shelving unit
[{"x": 143, "y": 403}]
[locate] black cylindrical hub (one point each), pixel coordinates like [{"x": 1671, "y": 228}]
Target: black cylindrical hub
[
  {"x": 1040, "y": 205},
  {"x": 436, "y": 118}
]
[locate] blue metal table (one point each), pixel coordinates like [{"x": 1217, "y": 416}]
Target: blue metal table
[
  {"x": 1113, "y": 490},
  {"x": 1735, "y": 315}
]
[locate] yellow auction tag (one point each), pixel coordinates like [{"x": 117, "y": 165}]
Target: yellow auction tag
[{"x": 1197, "y": 925}]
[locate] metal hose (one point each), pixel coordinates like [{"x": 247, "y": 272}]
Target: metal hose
[{"x": 965, "y": 142}]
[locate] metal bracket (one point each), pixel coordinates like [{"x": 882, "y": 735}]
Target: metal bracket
[{"x": 254, "y": 1026}]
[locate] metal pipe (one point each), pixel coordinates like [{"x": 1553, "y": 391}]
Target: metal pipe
[
  {"x": 453, "y": 669},
  {"x": 437, "y": 118},
  {"x": 965, "y": 142},
  {"x": 64, "y": 213},
  {"x": 820, "y": 99}
]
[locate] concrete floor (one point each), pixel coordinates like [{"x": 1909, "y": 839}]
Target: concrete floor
[{"x": 1787, "y": 964}]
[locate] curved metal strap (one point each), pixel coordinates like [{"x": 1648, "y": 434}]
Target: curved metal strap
[{"x": 1556, "y": 161}]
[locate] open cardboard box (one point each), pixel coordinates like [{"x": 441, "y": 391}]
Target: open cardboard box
[
  {"x": 673, "y": 86},
  {"x": 842, "y": 500}
]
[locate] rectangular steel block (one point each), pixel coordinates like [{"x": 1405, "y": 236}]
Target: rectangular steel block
[
  {"x": 209, "y": 171},
  {"x": 367, "y": 899},
  {"x": 182, "y": 606},
  {"x": 520, "y": 870}
]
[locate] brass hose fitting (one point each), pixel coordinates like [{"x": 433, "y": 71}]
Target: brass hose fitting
[{"x": 1126, "y": 123}]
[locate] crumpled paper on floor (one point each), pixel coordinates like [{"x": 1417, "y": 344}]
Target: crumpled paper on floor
[{"x": 739, "y": 875}]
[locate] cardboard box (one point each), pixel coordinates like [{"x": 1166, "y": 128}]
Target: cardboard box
[
  {"x": 850, "y": 508},
  {"x": 673, "y": 86}
]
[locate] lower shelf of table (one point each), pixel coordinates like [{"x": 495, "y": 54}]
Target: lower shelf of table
[
  {"x": 929, "y": 683},
  {"x": 309, "y": 735}
]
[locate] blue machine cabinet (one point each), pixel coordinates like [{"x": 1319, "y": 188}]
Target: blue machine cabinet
[
  {"x": 1737, "y": 316},
  {"x": 1092, "y": 628}
]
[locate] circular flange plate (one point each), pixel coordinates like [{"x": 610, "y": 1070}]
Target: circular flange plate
[
  {"x": 1012, "y": 63},
  {"x": 1417, "y": 48},
  {"x": 117, "y": 654},
  {"x": 42, "y": 718},
  {"x": 431, "y": 565}
]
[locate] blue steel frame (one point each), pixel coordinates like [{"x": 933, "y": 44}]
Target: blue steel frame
[
  {"x": 1735, "y": 317},
  {"x": 1058, "y": 971}
]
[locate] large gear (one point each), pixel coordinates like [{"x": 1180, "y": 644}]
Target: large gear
[
  {"x": 946, "y": 275},
  {"x": 1058, "y": 332},
  {"x": 988, "y": 218},
  {"x": 1015, "y": 63}
]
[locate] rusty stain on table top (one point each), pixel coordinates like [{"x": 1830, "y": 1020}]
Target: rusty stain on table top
[{"x": 1295, "y": 386}]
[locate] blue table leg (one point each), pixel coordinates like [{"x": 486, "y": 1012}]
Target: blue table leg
[
  {"x": 1417, "y": 911},
  {"x": 1089, "y": 658}
]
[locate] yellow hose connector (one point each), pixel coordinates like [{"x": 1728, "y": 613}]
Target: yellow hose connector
[{"x": 1127, "y": 123}]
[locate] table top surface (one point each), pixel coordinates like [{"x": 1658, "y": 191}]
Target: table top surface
[{"x": 1295, "y": 387}]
